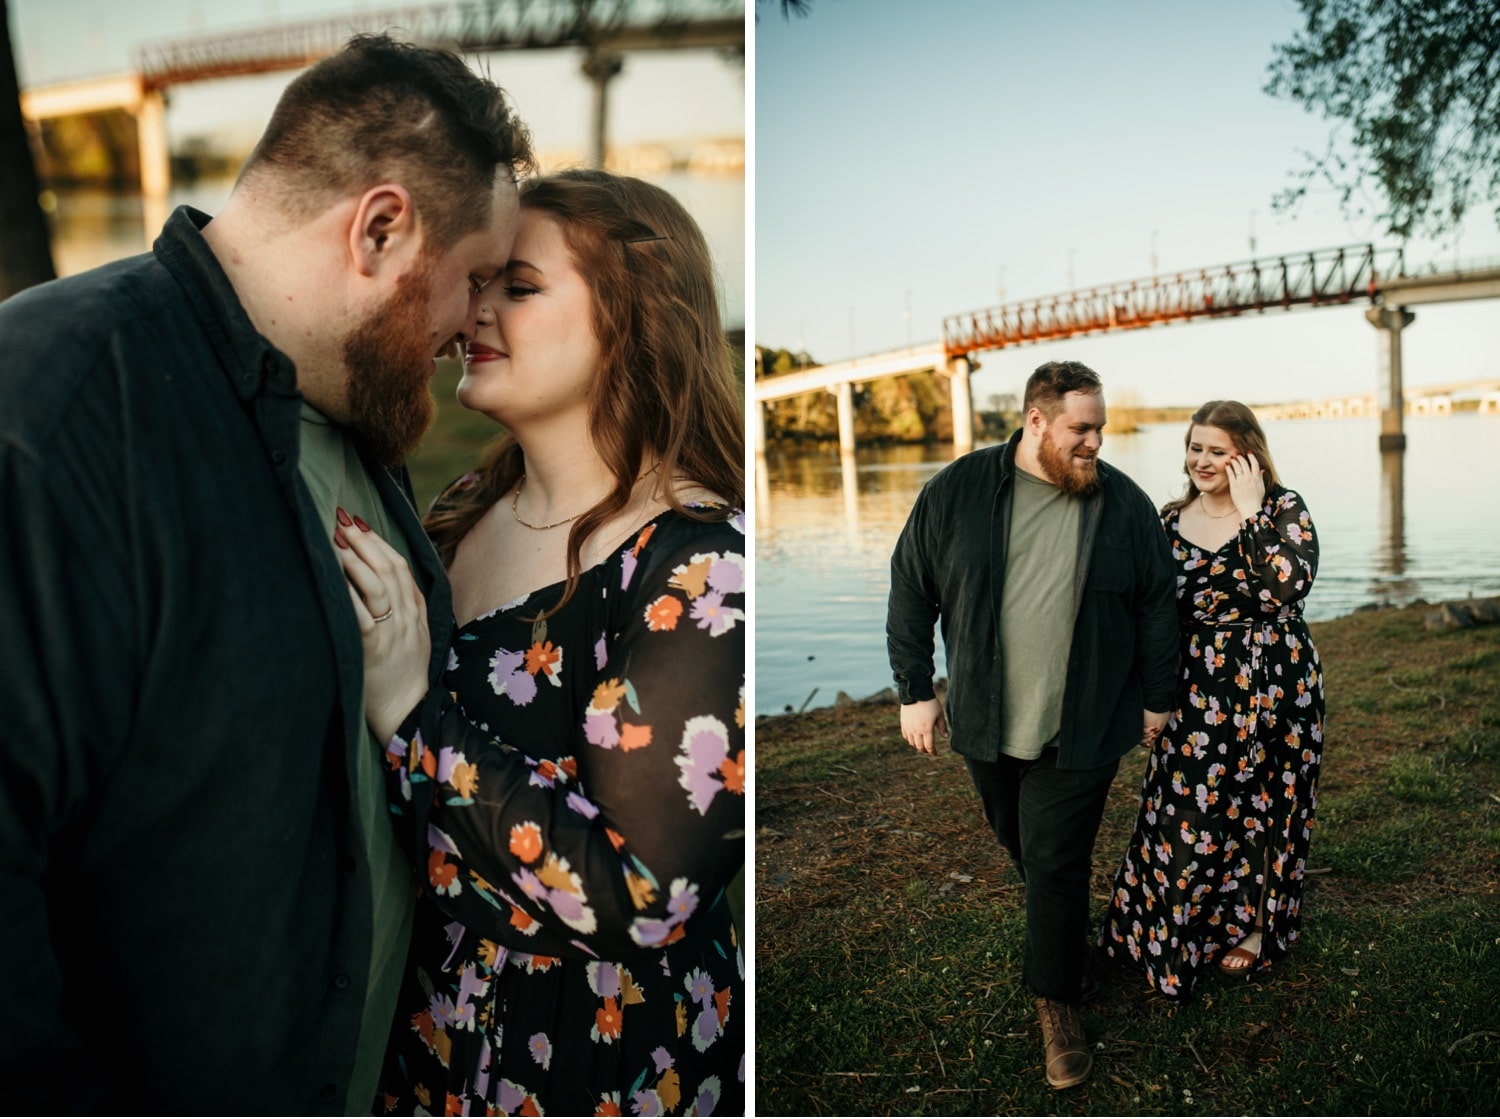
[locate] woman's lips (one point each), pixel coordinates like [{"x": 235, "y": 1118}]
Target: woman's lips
[{"x": 474, "y": 354}]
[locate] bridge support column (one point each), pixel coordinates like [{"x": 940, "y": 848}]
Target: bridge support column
[
  {"x": 757, "y": 428},
  {"x": 844, "y": 391},
  {"x": 156, "y": 168},
  {"x": 1390, "y": 321},
  {"x": 600, "y": 67},
  {"x": 963, "y": 405}
]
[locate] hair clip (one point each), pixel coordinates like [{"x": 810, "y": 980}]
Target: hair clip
[{"x": 644, "y": 240}]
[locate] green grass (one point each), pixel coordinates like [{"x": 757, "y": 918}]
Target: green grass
[{"x": 888, "y": 925}]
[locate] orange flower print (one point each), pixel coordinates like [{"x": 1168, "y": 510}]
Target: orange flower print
[
  {"x": 615, "y": 838},
  {"x": 609, "y": 1103},
  {"x": 464, "y": 779},
  {"x": 721, "y": 1004},
  {"x": 733, "y": 771},
  {"x": 522, "y": 921},
  {"x": 641, "y": 893},
  {"x": 607, "y": 1022},
  {"x": 569, "y": 765},
  {"x": 442, "y": 874},
  {"x": 455, "y": 1105},
  {"x": 633, "y": 736},
  {"x": 545, "y": 659},
  {"x": 692, "y": 578},
  {"x": 662, "y": 614},
  {"x": 642, "y": 539},
  {"x": 608, "y": 694},
  {"x": 526, "y": 841}
]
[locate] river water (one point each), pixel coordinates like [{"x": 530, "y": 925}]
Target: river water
[
  {"x": 93, "y": 227},
  {"x": 1391, "y": 528}
]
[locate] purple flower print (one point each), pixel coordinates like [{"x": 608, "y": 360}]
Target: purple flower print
[
  {"x": 508, "y": 676},
  {"x": 442, "y": 1011},
  {"x": 684, "y": 901},
  {"x": 604, "y": 979},
  {"x": 582, "y": 805},
  {"x": 705, "y": 745},
  {"x": 541, "y": 1049},
  {"x": 601, "y": 729},
  {"x": 711, "y": 614},
  {"x": 627, "y": 568},
  {"x": 705, "y": 1029},
  {"x": 567, "y": 906},
  {"x": 530, "y": 884},
  {"x": 708, "y": 1095},
  {"x": 662, "y": 1059},
  {"x": 700, "y": 987},
  {"x": 601, "y": 653},
  {"x": 727, "y": 574},
  {"x": 648, "y": 932},
  {"x": 646, "y": 1102},
  {"x": 510, "y": 1098}
]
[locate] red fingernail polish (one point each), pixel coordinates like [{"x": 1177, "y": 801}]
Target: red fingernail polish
[
  {"x": 338, "y": 538},
  {"x": 343, "y": 517},
  {"x": 363, "y": 527}
]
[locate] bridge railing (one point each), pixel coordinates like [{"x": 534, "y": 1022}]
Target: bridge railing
[
  {"x": 1325, "y": 277},
  {"x": 474, "y": 25}
]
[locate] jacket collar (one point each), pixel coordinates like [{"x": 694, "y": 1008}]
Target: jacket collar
[{"x": 248, "y": 360}]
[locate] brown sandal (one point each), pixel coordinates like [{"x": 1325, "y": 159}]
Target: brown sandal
[{"x": 1240, "y": 960}]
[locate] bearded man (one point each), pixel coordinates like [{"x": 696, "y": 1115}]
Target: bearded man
[
  {"x": 204, "y": 908},
  {"x": 1052, "y": 580}
]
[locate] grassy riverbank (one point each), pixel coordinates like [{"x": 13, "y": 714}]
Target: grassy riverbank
[{"x": 888, "y": 925}]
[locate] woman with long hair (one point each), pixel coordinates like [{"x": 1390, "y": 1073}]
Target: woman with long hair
[
  {"x": 578, "y": 800},
  {"x": 1214, "y": 871}
]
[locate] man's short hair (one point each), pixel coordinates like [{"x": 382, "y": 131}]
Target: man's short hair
[
  {"x": 385, "y": 111},
  {"x": 1046, "y": 387}
]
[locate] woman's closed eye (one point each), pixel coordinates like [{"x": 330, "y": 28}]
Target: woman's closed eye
[{"x": 520, "y": 291}]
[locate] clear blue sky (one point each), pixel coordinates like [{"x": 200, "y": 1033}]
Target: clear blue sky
[{"x": 907, "y": 153}]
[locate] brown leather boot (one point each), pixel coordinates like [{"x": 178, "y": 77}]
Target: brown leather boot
[{"x": 1068, "y": 1056}]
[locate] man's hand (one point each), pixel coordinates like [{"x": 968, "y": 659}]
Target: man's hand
[
  {"x": 1152, "y": 726},
  {"x": 923, "y": 721}
]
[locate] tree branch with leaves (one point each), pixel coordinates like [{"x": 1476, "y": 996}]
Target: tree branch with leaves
[{"x": 1413, "y": 89}]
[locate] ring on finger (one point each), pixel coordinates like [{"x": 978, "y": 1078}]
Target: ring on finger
[{"x": 384, "y": 617}]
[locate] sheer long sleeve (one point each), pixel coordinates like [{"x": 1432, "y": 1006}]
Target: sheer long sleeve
[
  {"x": 607, "y": 843},
  {"x": 1279, "y": 550}
]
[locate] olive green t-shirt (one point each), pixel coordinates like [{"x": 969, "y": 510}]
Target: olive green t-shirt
[
  {"x": 1036, "y": 614},
  {"x": 338, "y": 479}
]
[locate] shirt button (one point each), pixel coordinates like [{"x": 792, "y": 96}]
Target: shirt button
[
  {"x": 341, "y": 981},
  {"x": 278, "y": 457}
]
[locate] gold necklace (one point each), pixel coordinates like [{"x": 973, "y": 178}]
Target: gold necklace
[
  {"x": 521, "y": 484},
  {"x": 1214, "y": 516}
]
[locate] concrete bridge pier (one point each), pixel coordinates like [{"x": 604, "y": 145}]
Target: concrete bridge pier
[
  {"x": 844, "y": 392},
  {"x": 758, "y": 428},
  {"x": 1390, "y": 321},
  {"x": 600, "y": 67},
  {"x": 156, "y": 167},
  {"x": 958, "y": 371}
]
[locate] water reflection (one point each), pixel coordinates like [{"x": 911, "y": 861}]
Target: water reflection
[{"x": 1392, "y": 527}]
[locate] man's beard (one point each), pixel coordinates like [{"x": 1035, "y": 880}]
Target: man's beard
[
  {"x": 388, "y": 359},
  {"x": 1066, "y": 472}
]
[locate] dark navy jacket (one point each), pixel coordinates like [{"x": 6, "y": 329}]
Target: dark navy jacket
[
  {"x": 185, "y": 901},
  {"x": 949, "y": 568}
]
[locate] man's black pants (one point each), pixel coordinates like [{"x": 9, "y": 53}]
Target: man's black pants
[{"x": 1047, "y": 819}]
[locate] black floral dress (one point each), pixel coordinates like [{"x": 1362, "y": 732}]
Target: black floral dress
[
  {"x": 580, "y": 810},
  {"x": 1232, "y": 783}
]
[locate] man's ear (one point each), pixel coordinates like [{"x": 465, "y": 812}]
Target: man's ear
[{"x": 383, "y": 232}]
